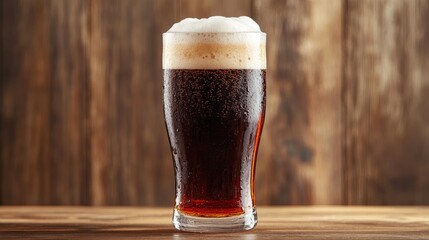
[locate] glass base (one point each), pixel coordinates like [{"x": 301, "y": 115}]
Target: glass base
[{"x": 188, "y": 223}]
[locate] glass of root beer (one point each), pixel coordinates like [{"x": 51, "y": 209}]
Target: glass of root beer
[{"x": 214, "y": 106}]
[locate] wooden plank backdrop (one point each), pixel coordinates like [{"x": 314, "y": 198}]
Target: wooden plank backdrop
[
  {"x": 386, "y": 102},
  {"x": 81, "y": 119}
]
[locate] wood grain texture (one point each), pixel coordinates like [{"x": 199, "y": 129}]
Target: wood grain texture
[
  {"x": 386, "y": 96},
  {"x": 81, "y": 117},
  {"x": 25, "y": 96},
  {"x": 43, "y": 103},
  {"x": 68, "y": 45},
  {"x": 274, "y": 223},
  {"x": 129, "y": 149},
  {"x": 299, "y": 160}
]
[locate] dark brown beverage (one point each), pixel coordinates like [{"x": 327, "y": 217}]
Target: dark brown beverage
[
  {"x": 214, "y": 120},
  {"x": 214, "y": 105}
]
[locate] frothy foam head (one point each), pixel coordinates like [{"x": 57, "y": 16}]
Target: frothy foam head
[
  {"x": 214, "y": 43},
  {"x": 216, "y": 24}
]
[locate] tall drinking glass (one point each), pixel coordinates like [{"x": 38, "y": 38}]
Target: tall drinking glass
[{"x": 214, "y": 106}]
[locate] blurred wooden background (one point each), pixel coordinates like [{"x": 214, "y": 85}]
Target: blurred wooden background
[{"x": 81, "y": 101}]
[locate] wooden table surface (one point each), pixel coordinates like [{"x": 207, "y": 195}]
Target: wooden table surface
[{"x": 155, "y": 223}]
